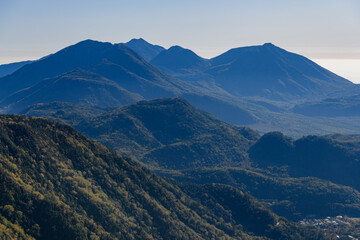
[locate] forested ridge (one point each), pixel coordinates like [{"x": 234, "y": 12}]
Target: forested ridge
[{"x": 58, "y": 184}]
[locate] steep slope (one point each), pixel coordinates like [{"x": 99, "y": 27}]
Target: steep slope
[
  {"x": 154, "y": 130},
  {"x": 331, "y": 107},
  {"x": 78, "y": 86},
  {"x": 177, "y": 59},
  {"x": 144, "y": 49},
  {"x": 6, "y": 69},
  {"x": 113, "y": 61},
  {"x": 58, "y": 184},
  {"x": 269, "y": 71}
]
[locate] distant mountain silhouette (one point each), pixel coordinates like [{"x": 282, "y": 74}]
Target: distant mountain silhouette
[
  {"x": 6, "y": 69},
  {"x": 114, "y": 61},
  {"x": 144, "y": 49},
  {"x": 252, "y": 85},
  {"x": 264, "y": 71},
  {"x": 269, "y": 71},
  {"x": 77, "y": 86},
  {"x": 177, "y": 59}
]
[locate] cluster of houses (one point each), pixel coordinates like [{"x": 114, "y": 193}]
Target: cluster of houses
[{"x": 335, "y": 225}]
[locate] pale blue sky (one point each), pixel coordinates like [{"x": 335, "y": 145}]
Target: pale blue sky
[{"x": 318, "y": 29}]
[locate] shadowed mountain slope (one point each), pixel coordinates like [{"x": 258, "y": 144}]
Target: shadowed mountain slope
[{"x": 78, "y": 86}]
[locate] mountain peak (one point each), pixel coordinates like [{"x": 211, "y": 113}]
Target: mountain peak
[
  {"x": 177, "y": 47},
  {"x": 177, "y": 58},
  {"x": 269, "y": 44},
  {"x": 145, "y": 49},
  {"x": 281, "y": 74},
  {"x": 137, "y": 40},
  {"x": 90, "y": 42}
]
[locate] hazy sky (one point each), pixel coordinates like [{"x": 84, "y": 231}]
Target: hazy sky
[{"x": 318, "y": 29}]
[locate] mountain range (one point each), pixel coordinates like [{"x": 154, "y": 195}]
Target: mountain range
[
  {"x": 113, "y": 61},
  {"x": 263, "y": 71},
  {"x": 230, "y": 86},
  {"x": 186, "y": 162}
]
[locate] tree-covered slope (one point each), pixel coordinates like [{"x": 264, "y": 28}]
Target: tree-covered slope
[
  {"x": 294, "y": 198},
  {"x": 309, "y": 176},
  {"x": 154, "y": 130},
  {"x": 68, "y": 113},
  {"x": 57, "y": 184}
]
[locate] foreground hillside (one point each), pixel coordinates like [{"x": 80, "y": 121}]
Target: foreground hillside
[{"x": 57, "y": 184}]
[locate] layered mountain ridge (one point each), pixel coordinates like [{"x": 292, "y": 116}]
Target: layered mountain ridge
[
  {"x": 255, "y": 86},
  {"x": 177, "y": 140},
  {"x": 58, "y": 184}
]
